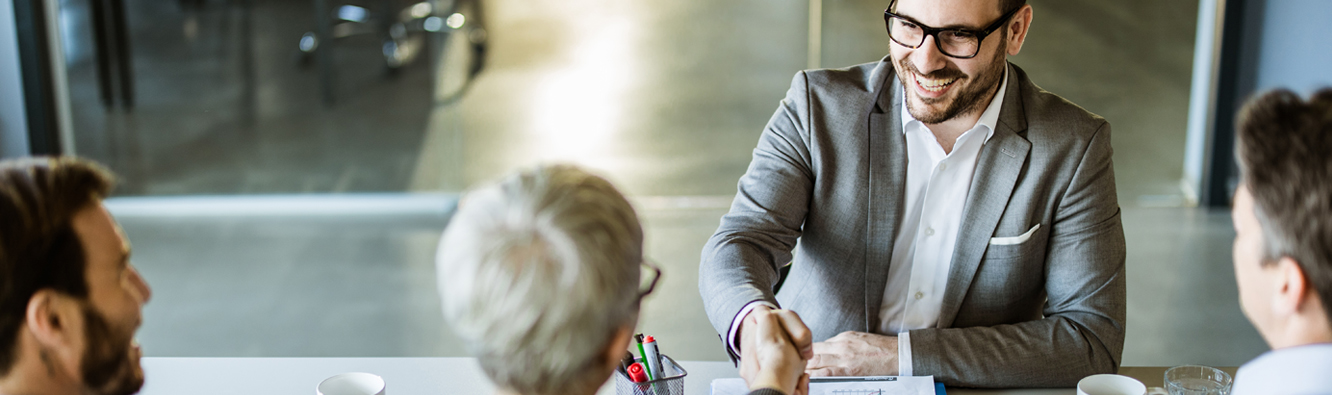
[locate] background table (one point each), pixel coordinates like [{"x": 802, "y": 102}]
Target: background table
[{"x": 413, "y": 376}]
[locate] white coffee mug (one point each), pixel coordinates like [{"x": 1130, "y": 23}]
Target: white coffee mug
[
  {"x": 1110, "y": 384},
  {"x": 355, "y": 383}
]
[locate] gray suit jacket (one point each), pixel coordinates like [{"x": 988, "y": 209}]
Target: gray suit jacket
[{"x": 829, "y": 172}]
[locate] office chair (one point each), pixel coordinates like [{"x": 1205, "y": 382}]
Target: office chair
[{"x": 402, "y": 31}]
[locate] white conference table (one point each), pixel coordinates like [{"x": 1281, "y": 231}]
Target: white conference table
[{"x": 413, "y": 376}]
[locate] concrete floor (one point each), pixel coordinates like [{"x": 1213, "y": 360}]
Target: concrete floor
[{"x": 666, "y": 98}]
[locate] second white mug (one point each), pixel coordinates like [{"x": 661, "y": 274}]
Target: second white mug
[
  {"x": 356, "y": 383},
  {"x": 1110, "y": 384}
]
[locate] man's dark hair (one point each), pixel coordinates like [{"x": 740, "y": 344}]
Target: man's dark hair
[
  {"x": 38, "y": 246},
  {"x": 1008, "y": 5},
  {"x": 1004, "y": 6},
  {"x": 1285, "y": 153}
]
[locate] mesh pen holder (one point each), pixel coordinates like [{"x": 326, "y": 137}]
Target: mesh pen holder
[{"x": 672, "y": 384}]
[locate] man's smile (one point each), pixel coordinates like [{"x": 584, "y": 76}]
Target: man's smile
[{"x": 932, "y": 88}]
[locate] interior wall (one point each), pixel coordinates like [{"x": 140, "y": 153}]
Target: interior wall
[
  {"x": 1264, "y": 45},
  {"x": 1294, "y": 46},
  {"x": 13, "y": 118}
]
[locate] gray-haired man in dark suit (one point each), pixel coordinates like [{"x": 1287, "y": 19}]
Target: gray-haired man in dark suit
[{"x": 953, "y": 218}]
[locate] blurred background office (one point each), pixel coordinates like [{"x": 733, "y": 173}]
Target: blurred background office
[{"x": 287, "y": 166}]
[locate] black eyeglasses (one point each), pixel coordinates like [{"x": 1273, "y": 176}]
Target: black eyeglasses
[
  {"x": 954, "y": 42},
  {"x": 651, "y": 285}
]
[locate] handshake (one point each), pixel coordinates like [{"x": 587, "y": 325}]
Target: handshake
[
  {"x": 775, "y": 346},
  {"x": 777, "y": 352}
]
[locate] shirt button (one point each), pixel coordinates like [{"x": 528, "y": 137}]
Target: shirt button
[
  {"x": 929, "y": 231},
  {"x": 919, "y": 295},
  {"x": 943, "y": 166}
]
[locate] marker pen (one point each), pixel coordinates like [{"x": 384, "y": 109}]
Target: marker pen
[
  {"x": 625, "y": 362},
  {"x": 652, "y": 356},
  {"x": 637, "y": 374},
  {"x": 642, "y": 352}
]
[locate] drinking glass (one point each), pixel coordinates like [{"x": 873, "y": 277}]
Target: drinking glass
[{"x": 1197, "y": 380}]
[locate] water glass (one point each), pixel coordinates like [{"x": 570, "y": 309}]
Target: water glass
[{"x": 1197, "y": 380}]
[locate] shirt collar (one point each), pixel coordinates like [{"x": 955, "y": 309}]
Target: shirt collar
[
  {"x": 988, "y": 119},
  {"x": 1288, "y": 370}
]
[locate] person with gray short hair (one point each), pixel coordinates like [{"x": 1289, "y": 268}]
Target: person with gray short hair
[{"x": 540, "y": 275}]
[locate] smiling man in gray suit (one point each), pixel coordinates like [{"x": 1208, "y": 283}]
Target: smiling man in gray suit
[{"x": 952, "y": 218}]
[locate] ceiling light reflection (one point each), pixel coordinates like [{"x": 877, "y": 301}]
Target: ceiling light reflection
[{"x": 579, "y": 107}]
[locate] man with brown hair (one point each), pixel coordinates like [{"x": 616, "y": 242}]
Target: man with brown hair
[
  {"x": 70, "y": 301},
  {"x": 953, "y": 218},
  {"x": 1283, "y": 241}
]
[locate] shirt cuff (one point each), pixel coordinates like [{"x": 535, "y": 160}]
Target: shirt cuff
[
  {"x": 904, "y": 354},
  {"x": 734, "y": 334}
]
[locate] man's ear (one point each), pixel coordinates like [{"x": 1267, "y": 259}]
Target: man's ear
[
  {"x": 50, "y": 318},
  {"x": 1018, "y": 28},
  {"x": 1292, "y": 287}
]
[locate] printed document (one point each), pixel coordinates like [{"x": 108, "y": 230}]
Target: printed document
[{"x": 878, "y": 385}]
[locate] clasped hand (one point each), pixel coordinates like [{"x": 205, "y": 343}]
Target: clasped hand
[
  {"x": 777, "y": 352},
  {"x": 774, "y": 347}
]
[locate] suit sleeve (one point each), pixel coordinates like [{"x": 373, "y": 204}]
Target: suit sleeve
[
  {"x": 739, "y": 263},
  {"x": 1083, "y": 329}
]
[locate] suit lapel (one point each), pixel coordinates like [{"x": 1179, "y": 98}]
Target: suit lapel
[
  {"x": 997, "y": 170},
  {"x": 887, "y": 183}
]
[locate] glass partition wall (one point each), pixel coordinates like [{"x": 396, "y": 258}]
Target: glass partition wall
[
  {"x": 242, "y": 97},
  {"x": 286, "y": 201},
  {"x": 288, "y": 165},
  {"x": 285, "y": 166}
]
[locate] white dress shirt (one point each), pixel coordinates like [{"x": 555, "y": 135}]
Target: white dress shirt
[
  {"x": 1293, "y": 370},
  {"x": 937, "y": 184}
]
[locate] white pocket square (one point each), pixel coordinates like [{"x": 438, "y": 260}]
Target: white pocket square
[{"x": 1007, "y": 241}]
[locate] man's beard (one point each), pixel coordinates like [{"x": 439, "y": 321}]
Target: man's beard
[
  {"x": 967, "y": 100},
  {"x": 107, "y": 367}
]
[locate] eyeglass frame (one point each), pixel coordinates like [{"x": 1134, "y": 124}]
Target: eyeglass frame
[
  {"x": 651, "y": 286},
  {"x": 934, "y": 31}
]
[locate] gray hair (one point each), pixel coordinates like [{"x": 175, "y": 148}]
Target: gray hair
[{"x": 538, "y": 272}]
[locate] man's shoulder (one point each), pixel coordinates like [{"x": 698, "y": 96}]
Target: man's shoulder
[
  {"x": 853, "y": 80},
  {"x": 858, "y": 75},
  {"x": 1293, "y": 370},
  {"x": 1047, "y": 113}
]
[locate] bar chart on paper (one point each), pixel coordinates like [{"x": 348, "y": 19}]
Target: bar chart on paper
[{"x": 857, "y": 392}]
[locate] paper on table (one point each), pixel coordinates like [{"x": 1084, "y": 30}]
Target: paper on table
[{"x": 904, "y": 385}]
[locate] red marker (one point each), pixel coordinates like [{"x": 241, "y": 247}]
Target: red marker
[{"x": 637, "y": 374}]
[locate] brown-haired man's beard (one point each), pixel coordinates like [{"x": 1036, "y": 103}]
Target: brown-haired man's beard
[
  {"x": 107, "y": 367},
  {"x": 967, "y": 100}
]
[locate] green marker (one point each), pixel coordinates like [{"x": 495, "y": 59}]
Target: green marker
[{"x": 639, "y": 338}]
